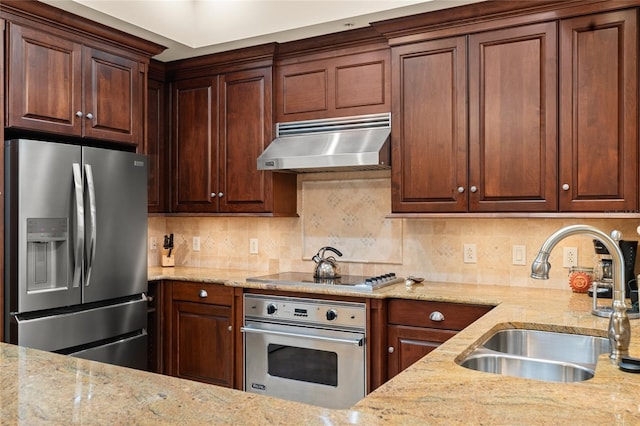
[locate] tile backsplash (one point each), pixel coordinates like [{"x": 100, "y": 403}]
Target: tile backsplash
[{"x": 349, "y": 211}]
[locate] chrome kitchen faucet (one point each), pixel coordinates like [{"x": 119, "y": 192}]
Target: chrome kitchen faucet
[{"x": 619, "y": 331}]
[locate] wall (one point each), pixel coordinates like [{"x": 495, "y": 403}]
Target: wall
[{"x": 348, "y": 211}]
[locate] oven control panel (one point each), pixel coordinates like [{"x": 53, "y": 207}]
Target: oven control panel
[{"x": 329, "y": 312}]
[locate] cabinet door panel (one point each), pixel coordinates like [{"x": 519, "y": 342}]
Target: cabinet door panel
[
  {"x": 598, "y": 112},
  {"x": 360, "y": 85},
  {"x": 429, "y": 140},
  {"x": 112, "y": 97},
  {"x": 194, "y": 146},
  {"x": 245, "y": 131},
  {"x": 305, "y": 92},
  {"x": 203, "y": 349},
  {"x": 408, "y": 344},
  {"x": 512, "y": 119},
  {"x": 333, "y": 86},
  {"x": 155, "y": 147},
  {"x": 51, "y": 68}
]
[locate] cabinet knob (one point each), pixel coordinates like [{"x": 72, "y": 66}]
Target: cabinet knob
[
  {"x": 79, "y": 114},
  {"x": 89, "y": 116},
  {"x": 230, "y": 328},
  {"x": 565, "y": 186},
  {"x": 203, "y": 294},
  {"x": 220, "y": 194},
  {"x": 461, "y": 189},
  {"x": 391, "y": 349},
  {"x": 436, "y": 316},
  {"x": 474, "y": 189}
]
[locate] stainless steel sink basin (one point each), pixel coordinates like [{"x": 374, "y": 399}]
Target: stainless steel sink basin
[
  {"x": 540, "y": 355},
  {"x": 547, "y": 345},
  {"x": 528, "y": 368}
]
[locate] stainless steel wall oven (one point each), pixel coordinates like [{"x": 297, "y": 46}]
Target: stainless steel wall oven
[{"x": 305, "y": 350}]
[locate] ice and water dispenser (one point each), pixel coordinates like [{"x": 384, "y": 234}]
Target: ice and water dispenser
[{"x": 47, "y": 254}]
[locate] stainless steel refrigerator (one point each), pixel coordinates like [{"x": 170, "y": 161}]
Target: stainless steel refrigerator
[{"x": 76, "y": 251}]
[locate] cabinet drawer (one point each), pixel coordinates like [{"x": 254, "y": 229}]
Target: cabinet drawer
[
  {"x": 214, "y": 294},
  {"x": 416, "y": 313}
]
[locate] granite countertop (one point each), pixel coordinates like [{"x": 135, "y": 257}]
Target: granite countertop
[{"x": 39, "y": 387}]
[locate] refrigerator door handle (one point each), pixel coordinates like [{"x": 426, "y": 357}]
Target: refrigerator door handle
[
  {"x": 79, "y": 243},
  {"x": 92, "y": 216}
]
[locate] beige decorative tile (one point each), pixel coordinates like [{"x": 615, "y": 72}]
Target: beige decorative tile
[
  {"x": 348, "y": 211},
  {"x": 350, "y": 216}
]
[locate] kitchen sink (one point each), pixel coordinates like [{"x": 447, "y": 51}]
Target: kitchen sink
[
  {"x": 528, "y": 368},
  {"x": 540, "y": 355}
]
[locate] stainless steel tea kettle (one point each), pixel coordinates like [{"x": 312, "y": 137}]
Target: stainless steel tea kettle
[{"x": 326, "y": 267}]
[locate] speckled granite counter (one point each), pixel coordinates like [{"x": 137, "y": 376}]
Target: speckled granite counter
[{"x": 39, "y": 387}]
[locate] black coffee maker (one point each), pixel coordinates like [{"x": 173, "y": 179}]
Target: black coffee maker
[{"x": 629, "y": 250}]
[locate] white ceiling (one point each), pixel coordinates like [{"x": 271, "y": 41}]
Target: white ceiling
[{"x": 196, "y": 27}]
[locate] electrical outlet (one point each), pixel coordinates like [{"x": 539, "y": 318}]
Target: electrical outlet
[
  {"x": 153, "y": 243},
  {"x": 519, "y": 255},
  {"x": 569, "y": 257},
  {"x": 469, "y": 253},
  {"x": 253, "y": 246},
  {"x": 196, "y": 243}
]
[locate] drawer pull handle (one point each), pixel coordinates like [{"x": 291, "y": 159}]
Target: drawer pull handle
[
  {"x": 203, "y": 294},
  {"x": 436, "y": 316},
  {"x": 391, "y": 349}
]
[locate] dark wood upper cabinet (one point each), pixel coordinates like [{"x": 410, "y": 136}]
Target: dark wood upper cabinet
[
  {"x": 599, "y": 112},
  {"x": 429, "y": 131},
  {"x": 45, "y": 81},
  {"x": 552, "y": 109},
  {"x": 322, "y": 86},
  {"x": 245, "y": 131},
  {"x": 507, "y": 162},
  {"x": 156, "y": 146},
  {"x": 113, "y": 95},
  {"x": 58, "y": 84},
  {"x": 221, "y": 125},
  {"x": 513, "y": 119},
  {"x": 194, "y": 145}
]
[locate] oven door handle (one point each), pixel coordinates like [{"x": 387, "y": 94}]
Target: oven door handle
[{"x": 358, "y": 342}]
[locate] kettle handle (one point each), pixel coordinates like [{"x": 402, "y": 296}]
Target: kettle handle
[{"x": 336, "y": 251}]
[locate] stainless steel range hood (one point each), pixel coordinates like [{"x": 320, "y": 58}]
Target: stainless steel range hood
[{"x": 337, "y": 144}]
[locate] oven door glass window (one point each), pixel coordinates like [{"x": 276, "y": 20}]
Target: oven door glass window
[{"x": 303, "y": 364}]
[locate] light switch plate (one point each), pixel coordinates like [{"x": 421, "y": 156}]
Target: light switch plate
[
  {"x": 519, "y": 255},
  {"x": 253, "y": 246}
]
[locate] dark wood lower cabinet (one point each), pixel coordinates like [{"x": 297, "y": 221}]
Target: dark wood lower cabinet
[
  {"x": 197, "y": 331},
  {"x": 408, "y": 344},
  {"x": 202, "y": 346},
  {"x": 202, "y": 333},
  {"x": 415, "y": 328}
]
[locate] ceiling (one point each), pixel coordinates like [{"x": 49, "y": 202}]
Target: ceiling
[{"x": 191, "y": 28}]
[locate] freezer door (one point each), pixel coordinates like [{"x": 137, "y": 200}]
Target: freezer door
[
  {"x": 56, "y": 331},
  {"x": 44, "y": 225},
  {"x": 116, "y": 224},
  {"x": 128, "y": 352}
]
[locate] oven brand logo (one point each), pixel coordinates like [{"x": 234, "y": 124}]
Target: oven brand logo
[{"x": 258, "y": 386}]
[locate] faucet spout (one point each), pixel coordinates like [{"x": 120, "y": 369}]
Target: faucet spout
[{"x": 619, "y": 330}]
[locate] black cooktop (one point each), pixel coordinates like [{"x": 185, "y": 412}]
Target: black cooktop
[{"x": 346, "y": 282}]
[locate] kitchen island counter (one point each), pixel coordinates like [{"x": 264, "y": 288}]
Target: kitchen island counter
[{"x": 41, "y": 387}]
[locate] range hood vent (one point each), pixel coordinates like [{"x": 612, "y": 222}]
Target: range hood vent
[{"x": 337, "y": 144}]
